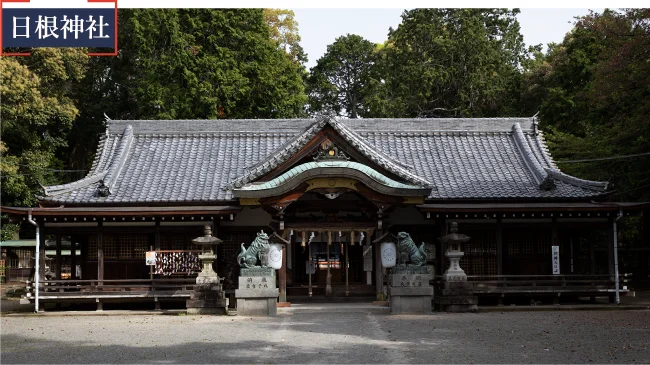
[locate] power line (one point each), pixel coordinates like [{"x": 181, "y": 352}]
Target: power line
[
  {"x": 47, "y": 168},
  {"x": 605, "y": 158},
  {"x": 627, "y": 191}
]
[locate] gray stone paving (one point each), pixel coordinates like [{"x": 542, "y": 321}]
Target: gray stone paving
[{"x": 332, "y": 333}]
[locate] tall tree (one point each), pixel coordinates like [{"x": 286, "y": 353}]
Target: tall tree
[
  {"x": 37, "y": 113},
  {"x": 284, "y": 30},
  {"x": 593, "y": 96},
  {"x": 451, "y": 62},
  {"x": 338, "y": 82},
  {"x": 190, "y": 64}
]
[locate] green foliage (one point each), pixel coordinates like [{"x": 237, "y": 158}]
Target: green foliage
[
  {"x": 37, "y": 113},
  {"x": 8, "y": 231},
  {"x": 450, "y": 62},
  {"x": 284, "y": 30},
  {"x": 593, "y": 94},
  {"x": 339, "y": 82},
  {"x": 190, "y": 64}
]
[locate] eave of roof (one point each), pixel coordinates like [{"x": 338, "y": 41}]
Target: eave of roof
[
  {"x": 470, "y": 159},
  {"x": 534, "y": 207},
  {"x": 298, "y": 174},
  {"x": 124, "y": 211},
  {"x": 285, "y": 152}
]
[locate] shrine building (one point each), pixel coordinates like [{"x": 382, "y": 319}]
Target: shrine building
[{"x": 326, "y": 189}]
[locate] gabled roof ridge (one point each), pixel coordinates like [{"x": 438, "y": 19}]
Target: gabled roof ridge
[
  {"x": 376, "y": 155},
  {"x": 189, "y": 126},
  {"x": 588, "y": 184},
  {"x": 100, "y": 153},
  {"x": 543, "y": 147},
  {"x": 290, "y": 147},
  {"x": 64, "y": 188},
  {"x": 119, "y": 158},
  {"x": 308, "y": 133},
  {"x": 531, "y": 161}
]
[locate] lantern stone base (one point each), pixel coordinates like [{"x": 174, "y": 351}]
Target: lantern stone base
[
  {"x": 207, "y": 299},
  {"x": 457, "y": 297},
  {"x": 257, "y": 294},
  {"x": 409, "y": 290}
]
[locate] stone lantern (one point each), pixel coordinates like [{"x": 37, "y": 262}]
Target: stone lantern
[
  {"x": 454, "y": 252},
  {"x": 208, "y": 244},
  {"x": 456, "y": 294},
  {"x": 208, "y": 296}
]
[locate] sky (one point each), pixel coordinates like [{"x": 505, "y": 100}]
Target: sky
[{"x": 320, "y": 27}]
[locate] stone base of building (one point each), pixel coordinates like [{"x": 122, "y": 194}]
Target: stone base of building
[
  {"x": 257, "y": 295},
  {"x": 457, "y": 297},
  {"x": 207, "y": 298},
  {"x": 262, "y": 302},
  {"x": 409, "y": 290}
]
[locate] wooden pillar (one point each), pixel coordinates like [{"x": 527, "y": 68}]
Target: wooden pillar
[
  {"x": 499, "y": 247},
  {"x": 555, "y": 242},
  {"x": 83, "y": 248},
  {"x": 73, "y": 258},
  {"x": 58, "y": 257},
  {"x": 156, "y": 235},
  {"x": 367, "y": 246},
  {"x": 309, "y": 262},
  {"x": 443, "y": 246},
  {"x": 41, "y": 273},
  {"x": 610, "y": 248},
  {"x": 282, "y": 276},
  {"x": 347, "y": 280},
  {"x": 328, "y": 278},
  {"x": 592, "y": 258},
  {"x": 100, "y": 252},
  {"x": 379, "y": 270}
]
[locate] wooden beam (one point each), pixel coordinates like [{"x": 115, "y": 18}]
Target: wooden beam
[
  {"x": 499, "y": 247},
  {"x": 58, "y": 257},
  {"x": 443, "y": 246},
  {"x": 379, "y": 274},
  {"x": 282, "y": 276},
  {"x": 156, "y": 236},
  {"x": 610, "y": 247},
  {"x": 555, "y": 242},
  {"x": 100, "y": 253},
  {"x": 73, "y": 258},
  {"x": 41, "y": 273}
]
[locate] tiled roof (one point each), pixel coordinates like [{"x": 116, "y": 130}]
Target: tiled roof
[{"x": 143, "y": 162}]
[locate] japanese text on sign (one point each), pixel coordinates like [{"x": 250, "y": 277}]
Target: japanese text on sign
[
  {"x": 58, "y": 27},
  {"x": 555, "y": 252}
]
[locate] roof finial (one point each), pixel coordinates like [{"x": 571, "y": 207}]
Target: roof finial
[
  {"x": 535, "y": 122},
  {"x": 106, "y": 118}
]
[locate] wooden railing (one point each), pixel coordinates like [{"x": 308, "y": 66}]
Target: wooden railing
[
  {"x": 111, "y": 290},
  {"x": 550, "y": 285}
]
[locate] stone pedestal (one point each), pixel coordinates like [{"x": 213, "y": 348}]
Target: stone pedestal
[
  {"x": 457, "y": 297},
  {"x": 456, "y": 294},
  {"x": 207, "y": 298},
  {"x": 257, "y": 294},
  {"x": 409, "y": 290}
]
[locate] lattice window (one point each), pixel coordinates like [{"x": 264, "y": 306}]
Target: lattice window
[
  {"x": 232, "y": 241},
  {"x": 132, "y": 247},
  {"x": 92, "y": 248},
  {"x": 110, "y": 248},
  {"x": 480, "y": 253},
  {"x": 140, "y": 247},
  {"x": 528, "y": 243},
  {"x": 175, "y": 242}
]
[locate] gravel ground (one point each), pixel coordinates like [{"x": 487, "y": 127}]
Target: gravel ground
[{"x": 332, "y": 333}]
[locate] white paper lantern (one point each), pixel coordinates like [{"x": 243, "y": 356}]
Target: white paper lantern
[
  {"x": 388, "y": 251},
  {"x": 275, "y": 256}
]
